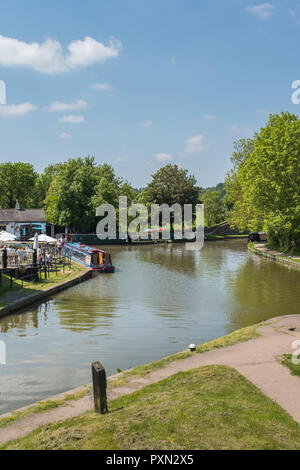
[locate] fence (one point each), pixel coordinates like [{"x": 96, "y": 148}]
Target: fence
[{"x": 18, "y": 268}]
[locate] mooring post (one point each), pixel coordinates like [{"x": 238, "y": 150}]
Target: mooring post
[{"x": 99, "y": 386}]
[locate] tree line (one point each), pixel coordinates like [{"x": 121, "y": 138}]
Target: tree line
[
  {"x": 263, "y": 187},
  {"x": 70, "y": 192},
  {"x": 261, "y": 192}
]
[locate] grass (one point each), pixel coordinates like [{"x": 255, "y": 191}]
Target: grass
[
  {"x": 31, "y": 287},
  {"x": 243, "y": 334},
  {"x": 290, "y": 258},
  {"x": 223, "y": 237},
  {"x": 212, "y": 407},
  {"x": 235, "y": 337},
  {"x": 286, "y": 256},
  {"x": 43, "y": 407},
  {"x": 287, "y": 361}
]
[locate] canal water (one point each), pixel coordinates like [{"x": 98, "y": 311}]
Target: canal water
[{"x": 160, "y": 299}]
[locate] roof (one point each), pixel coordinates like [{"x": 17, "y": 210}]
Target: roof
[
  {"x": 83, "y": 248},
  {"x": 23, "y": 215}
]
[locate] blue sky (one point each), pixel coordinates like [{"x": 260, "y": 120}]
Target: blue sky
[{"x": 141, "y": 83}]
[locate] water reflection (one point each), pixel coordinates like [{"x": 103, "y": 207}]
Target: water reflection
[
  {"x": 24, "y": 322},
  {"x": 86, "y": 308},
  {"x": 262, "y": 289},
  {"x": 160, "y": 299}
]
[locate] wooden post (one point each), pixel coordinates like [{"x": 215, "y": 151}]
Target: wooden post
[
  {"x": 99, "y": 386},
  {"x": 4, "y": 258}
]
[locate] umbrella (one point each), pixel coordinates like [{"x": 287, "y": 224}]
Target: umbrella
[
  {"x": 160, "y": 229},
  {"x": 43, "y": 238},
  {"x": 6, "y": 236},
  {"x": 36, "y": 241}
]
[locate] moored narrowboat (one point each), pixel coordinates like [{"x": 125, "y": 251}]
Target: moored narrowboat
[{"x": 98, "y": 260}]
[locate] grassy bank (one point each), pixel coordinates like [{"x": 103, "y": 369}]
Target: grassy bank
[
  {"x": 207, "y": 408},
  {"x": 8, "y": 295},
  {"x": 44, "y": 406},
  {"x": 284, "y": 256},
  {"x": 294, "y": 368},
  {"x": 244, "y": 334},
  {"x": 235, "y": 337},
  {"x": 224, "y": 237}
]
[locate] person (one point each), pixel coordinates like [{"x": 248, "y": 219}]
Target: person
[{"x": 48, "y": 257}]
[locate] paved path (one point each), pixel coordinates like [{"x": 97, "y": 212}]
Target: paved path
[
  {"x": 263, "y": 248},
  {"x": 256, "y": 359}
]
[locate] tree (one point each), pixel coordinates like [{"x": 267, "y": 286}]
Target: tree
[
  {"x": 44, "y": 181},
  {"x": 265, "y": 186},
  {"x": 242, "y": 149},
  {"x": 18, "y": 181},
  {"x": 107, "y": 189},
  {"x": 69, "y": 199},
  {"x": 214, "y": 211},
  {"x": 171, "y": 185}
]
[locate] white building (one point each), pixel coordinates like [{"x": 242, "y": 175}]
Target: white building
[{"x": 23, "y": 223}]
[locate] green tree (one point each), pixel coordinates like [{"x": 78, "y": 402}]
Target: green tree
[
  {"x": 107, "y": 189},
  {"x": 214, "y": 211},
  {"x": 69, "y": 199},
  {"x": 264, "y": 187},
  {"x": 44, "y": 181},
  {"x": 242, "y": 149},
  {"x": 171, "y": 185},
  {"x": 18, "y": 181}
]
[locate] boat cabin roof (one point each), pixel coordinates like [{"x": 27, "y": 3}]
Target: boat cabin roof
[{"x": 84, "y": 248}]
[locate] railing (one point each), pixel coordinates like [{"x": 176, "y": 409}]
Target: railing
[
  {"x": 15, "y": 259},
  {"x": 33, "y": 272}
]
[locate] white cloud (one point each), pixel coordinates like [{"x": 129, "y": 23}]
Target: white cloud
[
  {"x": 65, "y": 135},
  {"x": 101, "y": 86},
  {"x": 48, "y": 56},
  {"x": 121, "y": 159},
  {"x": 241, "y": 130},
  {"x": 146, "y": 124},
  {"x": 261, "y": 11},
  {"x": 163, "y": 157},
  {"x": 72, "y": 119},
  {"x": 13, "y": 110},
  {"x": 58, "y": 106},
  {"x": 173, "y": 60},
  {"x": 194, "y": 144},
  {"x": 209, "y": 117}
]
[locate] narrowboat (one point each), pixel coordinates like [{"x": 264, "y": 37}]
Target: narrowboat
[{"x": 93, "y": 258}]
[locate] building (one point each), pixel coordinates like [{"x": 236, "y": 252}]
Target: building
[{"x": 23, "y": 223}]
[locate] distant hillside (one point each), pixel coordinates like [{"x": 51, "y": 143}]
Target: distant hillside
[
  {"x": 222, "y": 229},
  {"x": 220, "y": 187}
]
